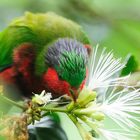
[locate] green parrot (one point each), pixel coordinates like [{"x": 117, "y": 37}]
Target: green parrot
[{"x": 43, "y": 52}]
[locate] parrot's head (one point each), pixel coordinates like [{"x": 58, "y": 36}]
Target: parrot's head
[{"x": 67, "y": 60}]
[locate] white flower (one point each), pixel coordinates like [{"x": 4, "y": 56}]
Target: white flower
[
  {"x": 103, "y": 69},
  {"x": 122, "y": 107},
  {"x": 115, "y": 135},
  {"x": 42, "y": 99}
]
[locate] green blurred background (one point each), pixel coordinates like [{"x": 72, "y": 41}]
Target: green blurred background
[
  {"x": 114, "y": 24},
  {"x": 111, "y": 23}
]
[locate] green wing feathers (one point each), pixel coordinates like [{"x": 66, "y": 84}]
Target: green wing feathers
[
  {"x": 10, "y": 38},
  {"x": 39, "y": 29}
]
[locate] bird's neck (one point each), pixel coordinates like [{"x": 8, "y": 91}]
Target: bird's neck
[{"x": 28, "y": 82}]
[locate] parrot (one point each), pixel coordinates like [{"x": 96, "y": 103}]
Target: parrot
[{"x": 43, "y": 51}]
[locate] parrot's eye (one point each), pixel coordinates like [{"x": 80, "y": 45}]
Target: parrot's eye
[{"x": 60, "y": 77}]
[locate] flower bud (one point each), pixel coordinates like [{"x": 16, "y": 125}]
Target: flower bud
[
  {"x": 36, "y": 118},
  {"x": 98, "y": 116},
  {"x": 85, "y": 97},
  {"x": 29, "y": 120},
  {"x": 29, "y": 111}
]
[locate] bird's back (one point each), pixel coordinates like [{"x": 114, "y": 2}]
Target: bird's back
[{"x": 40, "y": 30}]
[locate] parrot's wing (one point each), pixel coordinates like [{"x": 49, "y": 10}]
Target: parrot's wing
[{"x": 10, "y": 38}]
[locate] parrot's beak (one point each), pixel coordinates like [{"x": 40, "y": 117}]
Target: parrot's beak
[{"x": 74, "y": 92}]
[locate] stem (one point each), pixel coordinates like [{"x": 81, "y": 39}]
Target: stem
[
  {"x": 84, "y": 134},
  {"x": 70, "y": 106},
  {"x": 54, "y": 109},
  {"x": 83, "y": 111},
  {"x": 89, "y": 123},
  {"x": 9, "y": 101}
]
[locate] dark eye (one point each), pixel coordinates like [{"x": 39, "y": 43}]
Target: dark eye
[{"x": 60, "y": 77}]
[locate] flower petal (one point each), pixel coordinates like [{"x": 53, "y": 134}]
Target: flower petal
[{"x": 103, "y": 69}]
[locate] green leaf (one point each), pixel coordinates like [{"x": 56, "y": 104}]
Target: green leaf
[
  {"x": 131, "y": 65},
  {"x": 54, "y": 116},
  {"x": 46, "y": 129}
]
